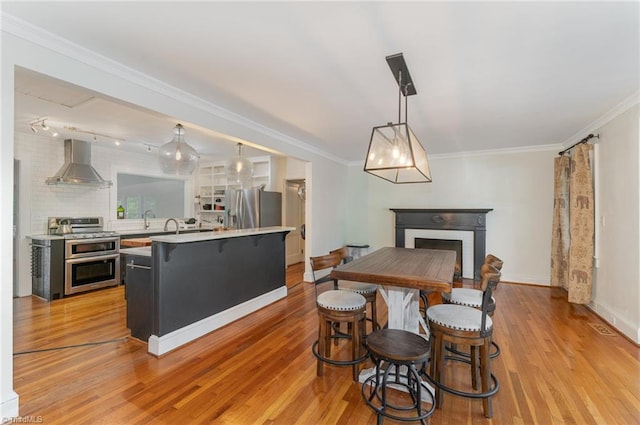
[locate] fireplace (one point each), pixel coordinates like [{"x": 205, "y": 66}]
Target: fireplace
[
  {"x": 448, "y": 244},
  {"x": 466, "y": 225}
]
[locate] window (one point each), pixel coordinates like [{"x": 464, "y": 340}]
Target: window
[{"x": 165, "y": 197}]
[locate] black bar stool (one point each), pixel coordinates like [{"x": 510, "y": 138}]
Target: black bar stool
[{"x": 401, "y": 359}]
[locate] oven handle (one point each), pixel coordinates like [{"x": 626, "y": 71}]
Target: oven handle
[
  {"x": 137, "y": 266},
  {"x": 101, "y": 239},
  {"x": 94, "y": 258}
]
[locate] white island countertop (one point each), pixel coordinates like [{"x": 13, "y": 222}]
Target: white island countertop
[
  {"x": 223, "y": 234},
  {"x": 144, "y": 251}
]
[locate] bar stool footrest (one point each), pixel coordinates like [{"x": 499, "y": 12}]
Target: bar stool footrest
[
  {"x": 381, "y": 406},
  {"x": 494, "y": 353},
  {"x": 314, "y": 349},
  {"x": 476, "y": 395}
]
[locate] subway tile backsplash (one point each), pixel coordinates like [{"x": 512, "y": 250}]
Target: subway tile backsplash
[{"x": 43, "y": 156}]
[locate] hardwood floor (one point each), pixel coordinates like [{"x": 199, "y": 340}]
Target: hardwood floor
[{"x": 555, "y": 368}]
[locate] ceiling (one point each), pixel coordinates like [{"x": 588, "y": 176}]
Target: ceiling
[{"x": 489, "y": 75}]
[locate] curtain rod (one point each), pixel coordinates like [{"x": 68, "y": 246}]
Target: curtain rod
[{"x": 585, "y": 140}]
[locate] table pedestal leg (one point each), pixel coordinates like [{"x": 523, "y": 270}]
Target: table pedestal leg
[{"x": 403, "y": 313}]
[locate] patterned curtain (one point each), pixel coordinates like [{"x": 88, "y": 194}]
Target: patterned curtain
[
  {"x": 560, "y": 235},
  {"x": 573, "y": 225},
  {"x": 581, "y": 225}
]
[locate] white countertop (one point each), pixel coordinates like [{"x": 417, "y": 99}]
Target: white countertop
[
  {"x": 45, "y": 237},
  {"x": 223, "y": 234},
  {"x": 144, "y": 251},
  {"x": 161, "y": 230}
]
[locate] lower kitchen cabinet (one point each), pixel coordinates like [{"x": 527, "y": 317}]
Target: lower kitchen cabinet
[{"x": 139, "y": 295}]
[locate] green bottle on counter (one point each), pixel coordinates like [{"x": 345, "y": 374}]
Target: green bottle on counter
[{"x": 120, "y": 212}]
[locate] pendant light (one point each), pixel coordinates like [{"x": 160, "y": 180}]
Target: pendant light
[
  {"x": 177, "y": 157},
  {"x": 239, "y": 170},
  {"x": 395, "y": 153}
]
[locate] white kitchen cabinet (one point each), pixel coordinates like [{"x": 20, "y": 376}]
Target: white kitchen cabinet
[{"x": 212, "y": 183}]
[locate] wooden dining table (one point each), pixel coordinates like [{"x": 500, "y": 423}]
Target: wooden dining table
[{"x": 401, "y": 274}]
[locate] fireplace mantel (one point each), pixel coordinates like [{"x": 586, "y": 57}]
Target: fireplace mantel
[{"x": 446, "y": 219}]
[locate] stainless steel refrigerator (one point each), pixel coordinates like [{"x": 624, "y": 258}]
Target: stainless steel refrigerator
[{"x": 250, "y": 208}]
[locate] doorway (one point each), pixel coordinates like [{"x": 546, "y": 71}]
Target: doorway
[{"x": 295, "y": 197}]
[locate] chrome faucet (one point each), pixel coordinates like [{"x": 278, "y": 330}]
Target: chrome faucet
[
  {"x": 145, "y": 216},
  {"x": 166, "y": 225}
]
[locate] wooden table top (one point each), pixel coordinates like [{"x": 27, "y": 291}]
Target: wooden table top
[
  {"x": 427, "y": 269},
  {"x": 135, "y": 242}
]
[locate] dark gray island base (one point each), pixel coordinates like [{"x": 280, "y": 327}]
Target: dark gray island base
[{"x": 196, "y": 284}]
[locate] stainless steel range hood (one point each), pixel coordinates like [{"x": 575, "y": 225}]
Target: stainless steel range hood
[{"x": 77, "y": 169}]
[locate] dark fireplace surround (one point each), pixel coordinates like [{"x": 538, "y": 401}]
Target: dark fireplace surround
[{"x": 446, "y": 219}]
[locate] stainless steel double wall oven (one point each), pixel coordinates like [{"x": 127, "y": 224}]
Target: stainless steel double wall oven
[{"x": 91, "y": 255}]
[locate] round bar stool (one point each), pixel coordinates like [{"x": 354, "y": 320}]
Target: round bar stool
[
  {"x": 400, "y": 358},
  {"x": 457, "y": 324},
  {"x": 368, "y": 290},
  {"x": 471, "y": 297},
  {"x": 335, "y": 307}
]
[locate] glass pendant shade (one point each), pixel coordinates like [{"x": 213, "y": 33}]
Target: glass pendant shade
[
  {"x": 395, "y": 154},
  {"x": 177, "y": 157},
  {"x": 239, "y": 171}
]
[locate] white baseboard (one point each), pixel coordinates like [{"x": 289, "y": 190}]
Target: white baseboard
[
  {"x": 9, "y": 407},
  {"x": 524, "y": 278},
  {"x": 162, "y": 345},
  {"x": 621, "y": 324},
  {"x": 307, "y": 277}
]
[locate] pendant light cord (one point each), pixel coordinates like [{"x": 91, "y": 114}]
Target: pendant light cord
[{"x": 400, "y": 93}]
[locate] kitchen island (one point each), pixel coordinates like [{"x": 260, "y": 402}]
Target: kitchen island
[{"x": 185, "y": 286}]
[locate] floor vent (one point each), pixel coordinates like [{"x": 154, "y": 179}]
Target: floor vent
[{"x": 602, "y": 329}]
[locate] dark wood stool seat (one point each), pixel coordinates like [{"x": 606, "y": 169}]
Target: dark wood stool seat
[{"x": 401, "y": 359}]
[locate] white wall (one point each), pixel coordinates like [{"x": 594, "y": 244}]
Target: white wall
[
  {"x": 518, "y": 186},
  {"x": 617, "y": 277}
]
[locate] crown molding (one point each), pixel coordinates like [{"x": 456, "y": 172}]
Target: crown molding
[
  {"x": 487, "y": 152},
  {"x": 592, "y": 127},
  {"x": 31, "y": 33}
]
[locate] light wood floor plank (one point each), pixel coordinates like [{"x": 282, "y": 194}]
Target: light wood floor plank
[{"x": 554, "y": 369}]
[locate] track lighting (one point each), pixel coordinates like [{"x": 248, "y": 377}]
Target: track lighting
[{"x": 41, "y": 122}]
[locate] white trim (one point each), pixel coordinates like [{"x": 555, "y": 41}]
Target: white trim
[
  {"x": 162, "y": 345},
  {"x": 470, "y": 154},
  {"x": 501, "y": 151},
  {"x": 466, "y": 236},
  {"x": 9, "y": 407},
  {"x": 595, "y": 170},
  {"x": 526, "y": 278},
  {"x": 616, "y": 321},
  {"x": 620, "y": 108}
]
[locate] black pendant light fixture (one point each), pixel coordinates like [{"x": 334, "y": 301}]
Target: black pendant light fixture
[{"x": 395, "y": 153}]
